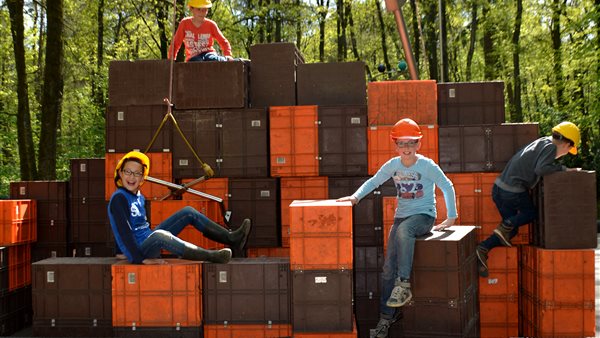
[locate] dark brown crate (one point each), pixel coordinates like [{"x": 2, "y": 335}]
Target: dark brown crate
[
  {"x": 482, "y": 148},
  {"x": 247, "y": 291},
  {"x": 163, "y": 332},
  {"x": 273, "y": 74},
  {"x": 89, "y": 221},
  {"x": 134, "y": 83},
  {"x": 470, "y": 103},
  {"x": 133, "y": 127},
  {"x": 444, "y": 264},
  {"x": 257, "y": 199},
  {"x": 329, "y": 84},
  {"x": 244, "y": 146},
  {"x": 41, "y": 251},
  {"x": 368, "y": 264},
  {"x": 87, "y": 178},
  {"x": 367, "y": 216},
  {"x": 443, "y": 319},
  {"x": 343, "y": 140},
  {"x": 92, "y": 249},
  {"x": 207, "y": 85},
  {"x": 200, "y": 129},
  {"x": 72, "y": 293},
  {"x": 567, "y": 211},
  {"x": 53, "y": 191},
  {"x": 322, "y": 300},
  {"x": 15, "y": 310}
]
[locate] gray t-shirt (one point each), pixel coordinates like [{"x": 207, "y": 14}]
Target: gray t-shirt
[{"x": 525, "y": 168}]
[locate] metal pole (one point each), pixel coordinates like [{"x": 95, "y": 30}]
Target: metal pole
[{"x": 396, "y": 7}]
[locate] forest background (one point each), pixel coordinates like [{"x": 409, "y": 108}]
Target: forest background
[{"x": 55, "y": 54}]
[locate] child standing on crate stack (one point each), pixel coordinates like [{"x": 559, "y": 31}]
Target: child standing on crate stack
[
  {"x": 415, "y": 177},
  {"x": 197, "y": 33},
  {"x": 511, "y": 189},
  {"x": 139, "y": 243}
]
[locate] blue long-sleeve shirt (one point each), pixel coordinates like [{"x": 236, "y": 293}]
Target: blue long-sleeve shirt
[
  {"x": 415, "y": 186},
  {"x": 127, "y": 215}
]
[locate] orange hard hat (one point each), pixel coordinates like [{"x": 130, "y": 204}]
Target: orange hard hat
[
  {"x": 407, "y": 129},
  {"x": 140, "y": 157}
]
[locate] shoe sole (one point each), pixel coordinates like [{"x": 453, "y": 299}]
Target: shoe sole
[
  {"x": 399, "y": 304},
  {"x": 502, "y": 239},
  {"x": 483, "y": 269}
]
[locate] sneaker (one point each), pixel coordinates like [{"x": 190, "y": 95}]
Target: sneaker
[
  {"x": 482, "y": 256},
  {"x": 381, "y": 330},
  {"x": 503, "y": 232},
  {"x": 400, "y": 295}
]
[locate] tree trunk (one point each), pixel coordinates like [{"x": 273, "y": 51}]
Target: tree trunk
[
  {"x": 53, "y": 90},
  {"x": 261, "y": 24},
  {"x": 341, "y": 31},
  {"x": 162, "y": 19},
  {"x": 489, "y": 56},
  {"x": 431, "y": 38},
  {"x": 24, "y": 133},
  {"x": 277, "y": 17},
  {"x": 41, "y": 44},
  {"x": 97, "y": 92},
  {"x": 323, "y": 8},
  {"x": 384, "y": 50},
  {"x": 298, "y": 26},
  {"x": 516, "y": 111},
  {"x": 416, "y": 33},
  {"x": 557, "y": 6},
  {"x": 472, "y": 40},
  {"x": 443, "y": 41},
  {"x": 352, "y": 35}
]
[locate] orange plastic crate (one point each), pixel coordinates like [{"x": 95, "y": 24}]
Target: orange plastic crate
[
  {"x": 19, "y": 266},
  {"x": 269, "y": 252},
  {"x": 499, "y": 294},
  {"x": 298, "y": 188},
  {"x": 381, "y": 148},
  {"x": 18, "y": 222},
  {"x": 218, "y": 187},
  {"x": 247, "y": 330},
  {"x": 161, "y": 210},
  {"x": 160, "y": 167},
  {"x": 164, "y": 295},
  {"x": 390, "y": 101},
  {"x": 294, "y": 141},
  {"x": 320, "y": 235}
]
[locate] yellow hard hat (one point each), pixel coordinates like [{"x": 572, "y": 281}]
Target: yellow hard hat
[
  {"x": 200, "y": 3},
  {"x": 570, "y": 131},
  {"x": 141, "y": 157}
]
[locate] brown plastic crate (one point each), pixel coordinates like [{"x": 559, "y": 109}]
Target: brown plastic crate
[
  {"x": 368, "y": 264},
  {"x": 162, "y": 332},
  {"x": 133, "y": 127},
  {"x": 72, "y": 296},
  {"x": 89, "y": 219},
  {"x": 83, "y": 249},
  {"x": 273, "y": 74},
  {"x": 343, "y": 140},
  {"x": 322, "y": 301},
  {"x": 207, "y": 85},
  {"x": 41, "y": 251},
  {"x": 15, "y": 310},
  {"x": 567, "y": 211},
  {"x": 257, "y": 199},
  {"x": 470, "y": 103},
  {"x": 247, "y": 330},
  {"x": 247, "y": 291},
  {"x": 87, "y": 178},
  {"x": 482, "y": 148},
  {"x": 332, "y": 83},
  {"x": 142, "y": 82}
]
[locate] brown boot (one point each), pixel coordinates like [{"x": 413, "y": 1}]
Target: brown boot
[
  {"x": 503, "y": 232},
  {"x": 482, "y": 257}
]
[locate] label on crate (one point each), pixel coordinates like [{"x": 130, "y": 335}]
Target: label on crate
[
  {"x": 50, "y": 277},
  {"x": 131, "y": 278},
  {"x": 82, "y": 167},
  {"x": 321, "y": 280},
  {"x": 222, "y": 276}
]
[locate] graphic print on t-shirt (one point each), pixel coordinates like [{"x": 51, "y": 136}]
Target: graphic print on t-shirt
[{"x": 408, "y": 184}]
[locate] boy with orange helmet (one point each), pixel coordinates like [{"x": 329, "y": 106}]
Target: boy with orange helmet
[
  {"x": 140, "y": 244},
  {"x": 415, "y": 177}
]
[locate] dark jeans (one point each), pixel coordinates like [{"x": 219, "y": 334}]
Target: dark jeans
[
  {"x": 208, "y": 56},
  {"x": 516, "y": 209}
]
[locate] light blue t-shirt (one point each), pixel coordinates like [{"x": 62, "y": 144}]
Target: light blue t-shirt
[{"x": 415, "y": 186}]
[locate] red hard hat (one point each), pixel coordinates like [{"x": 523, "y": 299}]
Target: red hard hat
[{"x": 406, "y": 128}]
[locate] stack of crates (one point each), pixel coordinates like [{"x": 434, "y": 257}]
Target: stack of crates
[
  {"x": 18, "y": 230},
  {"x": 321, "y": 263}
]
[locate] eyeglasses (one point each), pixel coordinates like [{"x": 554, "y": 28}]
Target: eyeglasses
[
  {"x": 560, "y": 137},
  {"x": 410, "y": 143},
  {"x": 128, "y": 172}
]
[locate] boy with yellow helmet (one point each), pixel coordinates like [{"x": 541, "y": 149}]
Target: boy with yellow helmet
[
  {"x": 198, "y": 33},
  {"x": 511, "y": 189},
  {"x": 139, "y": 243},
  {"x": 415, "y": 178}
]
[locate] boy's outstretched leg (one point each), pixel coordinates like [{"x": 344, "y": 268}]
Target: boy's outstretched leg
[
  {"x": 237, "y": 239},
  {"x": 503, "y": 232},
  {"x": 482, "y": 257},
  {"x": 196, "y": 253}
]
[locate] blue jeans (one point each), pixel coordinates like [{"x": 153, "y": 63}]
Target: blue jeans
[
  {"x": 516, "y": 209},
  {"x": 208, "y": 56},
  {"x": 165, "y": 234},
  {"x": 399, "y": 257}
]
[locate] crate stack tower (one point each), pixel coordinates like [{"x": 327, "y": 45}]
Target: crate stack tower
[{"x": 286, "y": 139}]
